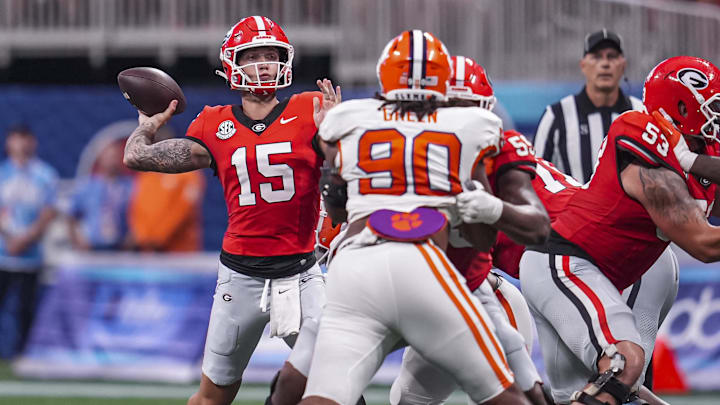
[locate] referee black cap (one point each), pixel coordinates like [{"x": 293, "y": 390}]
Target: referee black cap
[{"x": 605, "y": 38}]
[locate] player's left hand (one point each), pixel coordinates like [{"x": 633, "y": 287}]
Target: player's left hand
[
  {"x": 478, "y": 205},
  {"x": 677, "y": 142},
  {"x": 331, "y": 98}
]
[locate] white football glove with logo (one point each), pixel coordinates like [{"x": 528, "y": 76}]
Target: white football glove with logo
[{"x": 477, "y": 205}]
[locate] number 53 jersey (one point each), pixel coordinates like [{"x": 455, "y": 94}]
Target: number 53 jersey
[
  {"x": 613, "y": 230},
  {"x": 269, "y": 172},
  {"x": 399, "y": 162}
]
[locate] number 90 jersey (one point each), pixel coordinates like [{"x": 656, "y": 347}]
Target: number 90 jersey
[
  {"x": 399, "y": 162},
  {"x": 269, "y": 172}
]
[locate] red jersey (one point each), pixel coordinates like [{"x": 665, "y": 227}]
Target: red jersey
[
  {"x": 269, "y": 172},
  {"x": 554, "y": 188},
  {"x": 516, "y": 153},
  {"x": 614, "y": 230}
]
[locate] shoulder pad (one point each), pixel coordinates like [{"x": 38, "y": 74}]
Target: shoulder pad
[
  {"x": 637, "y": 133},
  {"x": 517, "y": 152}
]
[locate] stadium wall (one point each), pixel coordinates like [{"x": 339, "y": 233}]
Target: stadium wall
[{"x": 67, "y": 118}]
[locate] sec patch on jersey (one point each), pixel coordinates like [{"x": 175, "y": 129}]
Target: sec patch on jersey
[{"x": 150, "y": 90}]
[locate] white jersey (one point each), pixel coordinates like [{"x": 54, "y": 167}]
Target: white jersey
[{"x": 398, "y": 162}]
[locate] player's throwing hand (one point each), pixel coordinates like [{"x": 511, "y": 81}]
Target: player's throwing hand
[{"x": 159, "y": 119}]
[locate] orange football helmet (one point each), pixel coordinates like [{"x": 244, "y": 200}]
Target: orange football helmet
[
  {"x": 470, "y": 82},
  {"x": 415, "y": 65},
  {"x": 251, "y": 32}
]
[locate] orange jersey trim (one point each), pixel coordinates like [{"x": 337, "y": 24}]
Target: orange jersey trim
[
  {"x": 508, "y": 309},
  {"x": 473, "y": 327}
]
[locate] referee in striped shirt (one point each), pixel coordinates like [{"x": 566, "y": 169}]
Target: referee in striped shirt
[{"x": 570, "y": 131}]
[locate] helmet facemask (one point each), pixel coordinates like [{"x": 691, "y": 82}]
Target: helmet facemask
[
  {"x": 240, "y": 80},
  {"x": 466, "y": 93},
  {"x": 711, "y": 111}
]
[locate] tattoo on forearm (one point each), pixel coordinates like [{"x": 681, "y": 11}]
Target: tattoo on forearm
[
  {"x": 660, "y": 188},
  {"x": 169, "y": 156}
]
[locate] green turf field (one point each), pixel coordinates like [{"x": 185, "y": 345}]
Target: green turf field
[
  {"x": 91, "y": 394},
  {"x": 15, "y": 391}
]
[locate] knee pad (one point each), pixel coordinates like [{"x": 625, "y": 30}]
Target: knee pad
[{"x": 606, "y": 382}]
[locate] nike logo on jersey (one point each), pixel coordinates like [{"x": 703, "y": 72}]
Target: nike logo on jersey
[
  {"x": 285, "y": 121},
  {"x": 283, "y": 291}
]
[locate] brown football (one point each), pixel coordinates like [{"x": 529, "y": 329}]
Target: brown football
[{"x": 150, "y": 90}]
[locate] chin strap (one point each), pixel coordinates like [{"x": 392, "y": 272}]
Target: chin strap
[
  {"x": 224, "y": 76},
  {"x": 606, "y": 382},
  {"x": 221, "y": 74}
]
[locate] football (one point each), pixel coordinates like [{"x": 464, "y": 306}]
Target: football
[{"x": 150, "y": 90}]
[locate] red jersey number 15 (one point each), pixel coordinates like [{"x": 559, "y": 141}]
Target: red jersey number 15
[{"x": 265, "y": 169}]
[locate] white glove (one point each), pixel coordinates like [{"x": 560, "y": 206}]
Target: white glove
[
  {"x": 684, "y": 155},
  {"x": 478, "y": 205}
]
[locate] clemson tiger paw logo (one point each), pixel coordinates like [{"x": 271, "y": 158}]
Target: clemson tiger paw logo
[{"x": 406, "y": 221}]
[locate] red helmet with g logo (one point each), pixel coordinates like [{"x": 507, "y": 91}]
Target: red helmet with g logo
[
  {"x": 252, "y": 32},
  {"x": 415, "y": 65},
  {"x": 470, "y": 82},
  {"x": 686, "y": 90}
]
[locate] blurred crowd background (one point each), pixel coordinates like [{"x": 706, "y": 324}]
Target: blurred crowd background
[{"x": 121, "y": 264}]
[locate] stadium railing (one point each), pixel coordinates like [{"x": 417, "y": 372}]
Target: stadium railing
[{"x": 515, "y": 39}]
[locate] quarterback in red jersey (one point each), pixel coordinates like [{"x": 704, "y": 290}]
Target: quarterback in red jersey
[
  {"x": 618, "y": 224},
  {"x": 262, "y": 152}
]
